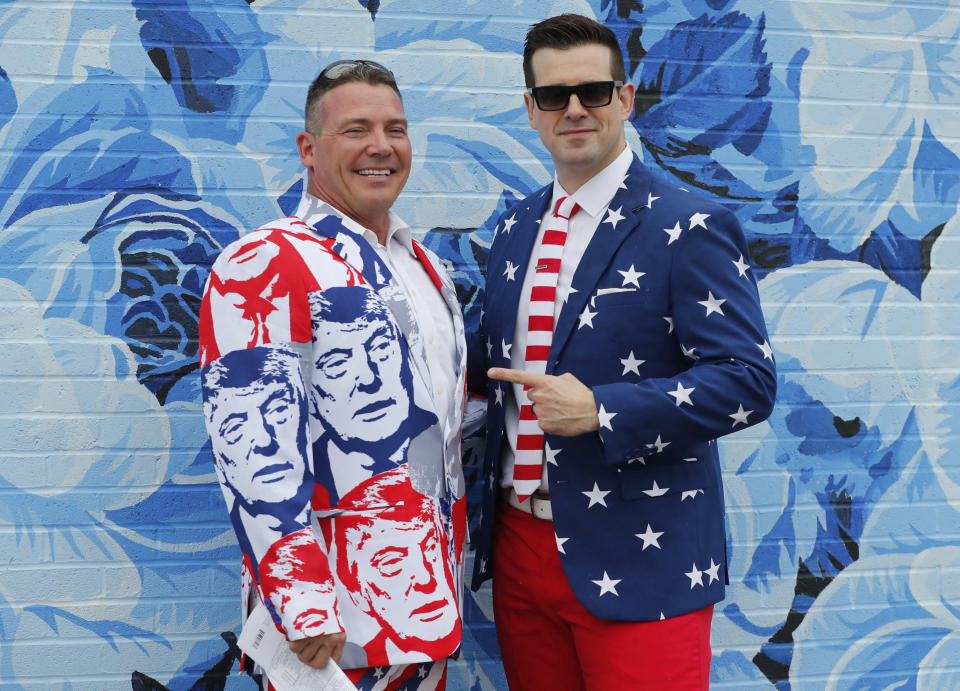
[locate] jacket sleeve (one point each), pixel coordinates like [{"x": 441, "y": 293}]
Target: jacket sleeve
[
  {"x": 729, "y": 381},
  {"x": 256, "y": 412}
]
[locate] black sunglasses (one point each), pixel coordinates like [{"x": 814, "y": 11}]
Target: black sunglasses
[
  {"x": 590, "y": 95},
  {"x": 339, "y": 68}
]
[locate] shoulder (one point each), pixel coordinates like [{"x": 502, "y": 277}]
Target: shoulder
[
  {"x": 278, "y": 242},
  {"x": 533, "y": 203}
]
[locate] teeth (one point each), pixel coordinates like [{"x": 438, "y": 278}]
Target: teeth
[{"x": 375, "y": 172}]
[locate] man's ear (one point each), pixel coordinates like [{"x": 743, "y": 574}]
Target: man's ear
[
  {"x": 528, "y": 100},
  {"x": 305, "y": 146},
  {"x": 627, "y": 93}
]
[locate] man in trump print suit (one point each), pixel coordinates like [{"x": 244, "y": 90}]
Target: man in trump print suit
[
  {"x": 333, "y": 370},
  {"x": 623, "y": 332}
]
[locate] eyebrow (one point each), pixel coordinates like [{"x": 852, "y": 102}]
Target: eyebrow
[{"x": 368, "y": 121}]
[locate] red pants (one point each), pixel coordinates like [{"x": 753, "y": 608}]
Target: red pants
[{"x": 549, "y": 641}]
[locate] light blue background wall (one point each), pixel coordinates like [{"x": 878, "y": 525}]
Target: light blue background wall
[{"x": 137, "y": 138}]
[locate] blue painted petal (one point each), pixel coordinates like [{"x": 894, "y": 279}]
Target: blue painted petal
[
  {"x": 707, "y": 74},
  {"x": 106, "y": 629},
  {"x": 8, "y": 99},
  {"x": 370, "y": 6},
  {"x": 700, "y": 88},
  {"x": 212, "y": 59}
]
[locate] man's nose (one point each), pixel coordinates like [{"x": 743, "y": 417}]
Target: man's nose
[
  {"x": 378, "y": 143},
  {"x": 422, "y": 578},
  {"x": 367, "y": 376},
  {"x": 262, "y": 438},
  {"x": 575, "y": 109}
]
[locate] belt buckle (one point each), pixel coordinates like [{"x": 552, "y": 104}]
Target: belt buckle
[{"x": 540, "y": 507}]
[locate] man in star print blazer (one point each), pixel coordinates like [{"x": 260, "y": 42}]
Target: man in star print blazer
[
  {"x": 333, "y": 368},
  {"x": 606, "y": 577}
]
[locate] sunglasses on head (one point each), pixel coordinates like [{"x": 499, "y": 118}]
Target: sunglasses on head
[
  {"x": 590, "y": 95},
  {"x": 337, "y": 69}
]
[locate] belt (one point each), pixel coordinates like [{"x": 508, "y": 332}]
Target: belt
[{"x": 537, "y": 504}]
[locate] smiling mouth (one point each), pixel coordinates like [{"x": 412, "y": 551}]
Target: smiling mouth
[
  {"x": 277, "y": 470},
  {"x": 375, "y": 410},
  {"x": 430, "y": 611},
  {"x": 375, "y": 172}
]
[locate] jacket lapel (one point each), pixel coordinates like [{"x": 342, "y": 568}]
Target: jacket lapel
[
  {"x": 624, "y": 215},
  {"x": 517, "y": 251}
]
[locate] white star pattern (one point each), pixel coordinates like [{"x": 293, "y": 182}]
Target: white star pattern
[
  {"x": 608, "y": 585},
  {"x": 560, "y": 541},
  {"x": 695, "y": 576},
  {"x": 631, "y": 364},
  {"x": 642, "y": 460},
  {"x": 630, "y": 276},
  {"x": 586, "y": 318},
  {"x": 656, "y": 490},
  {"x": 713, "y": 572},
  {"x": 690, "y": 494},
  {"x": 766, "y": 350},
  {"x": 682, "y": 394},
  {"x": 508, "y": 223},
  {"x": 421, "y": 672},
  {"x": 692, "y": 459},
  {"x": 489, "y": 348},
  {"x": 658, "y": 444},
  {"x": 596, "y": 496},
  {"x": 605, "y": 418},
  {"x": 613, "y": 216},
  {"x": 674, "y": 233},
  {"x": 742, "y": 266},
  {"x": 511, "y": 271},
  {"x": 689, "y": 352},
  {"x": 498, "y": 395},
  {"x": 697, "y": 221},
  {"x": 651, "y": 199},
  {"x": 378, "y": 672},
  {"x": 505, "y": 347},
  {"x": 623, "y": 183},
  {"x": 566, "y": 296},
  {"x": 551, "y": 454},
  {"x": 650, "y": 538},
  {"x": 740, "y": 417},
  {"x": 712, "y": 304},
  {"x": 670, "y": 324}
]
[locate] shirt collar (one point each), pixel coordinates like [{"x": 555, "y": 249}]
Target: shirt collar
[
  {"x": 597, "y": 192},
  {"x": 397, "y": 230}
]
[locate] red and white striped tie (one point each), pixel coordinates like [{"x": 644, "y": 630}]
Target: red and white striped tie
[{"x": 527, "y": 460}]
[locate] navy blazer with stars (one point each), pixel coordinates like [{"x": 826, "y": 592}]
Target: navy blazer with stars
[{"x": 665, "y": 327}]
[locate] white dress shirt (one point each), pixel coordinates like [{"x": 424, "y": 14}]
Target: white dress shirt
[{"x": 594, "y": 196}]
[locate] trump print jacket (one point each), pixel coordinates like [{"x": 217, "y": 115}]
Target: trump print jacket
[{"x": 341, "y": 477}]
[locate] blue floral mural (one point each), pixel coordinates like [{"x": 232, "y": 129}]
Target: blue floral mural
[{"x": 140, "y": 138}]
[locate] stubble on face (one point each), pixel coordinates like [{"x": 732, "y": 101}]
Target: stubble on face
[
  {"x": 358, "y": 152},
  {"x": 582, "y": 141}
]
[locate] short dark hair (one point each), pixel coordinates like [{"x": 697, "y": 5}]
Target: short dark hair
[
  {"x": 569, "y": 31},
  {"x": 362, "y": 72}
]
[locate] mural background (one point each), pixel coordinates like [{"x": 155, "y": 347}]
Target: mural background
[{"x": 137, "y": 138}]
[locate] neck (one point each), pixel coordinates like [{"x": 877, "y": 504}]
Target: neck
[
  {"x": 378, "y": 223},
  {"x": 572, "y": 177}
]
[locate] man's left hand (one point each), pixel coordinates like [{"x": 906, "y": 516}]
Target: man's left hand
[
  {"x": 319, "y": 650},
  {"x": 563, "y": 405}
]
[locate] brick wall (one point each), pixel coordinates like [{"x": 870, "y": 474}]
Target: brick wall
[{"x": 136, "y": 139}]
